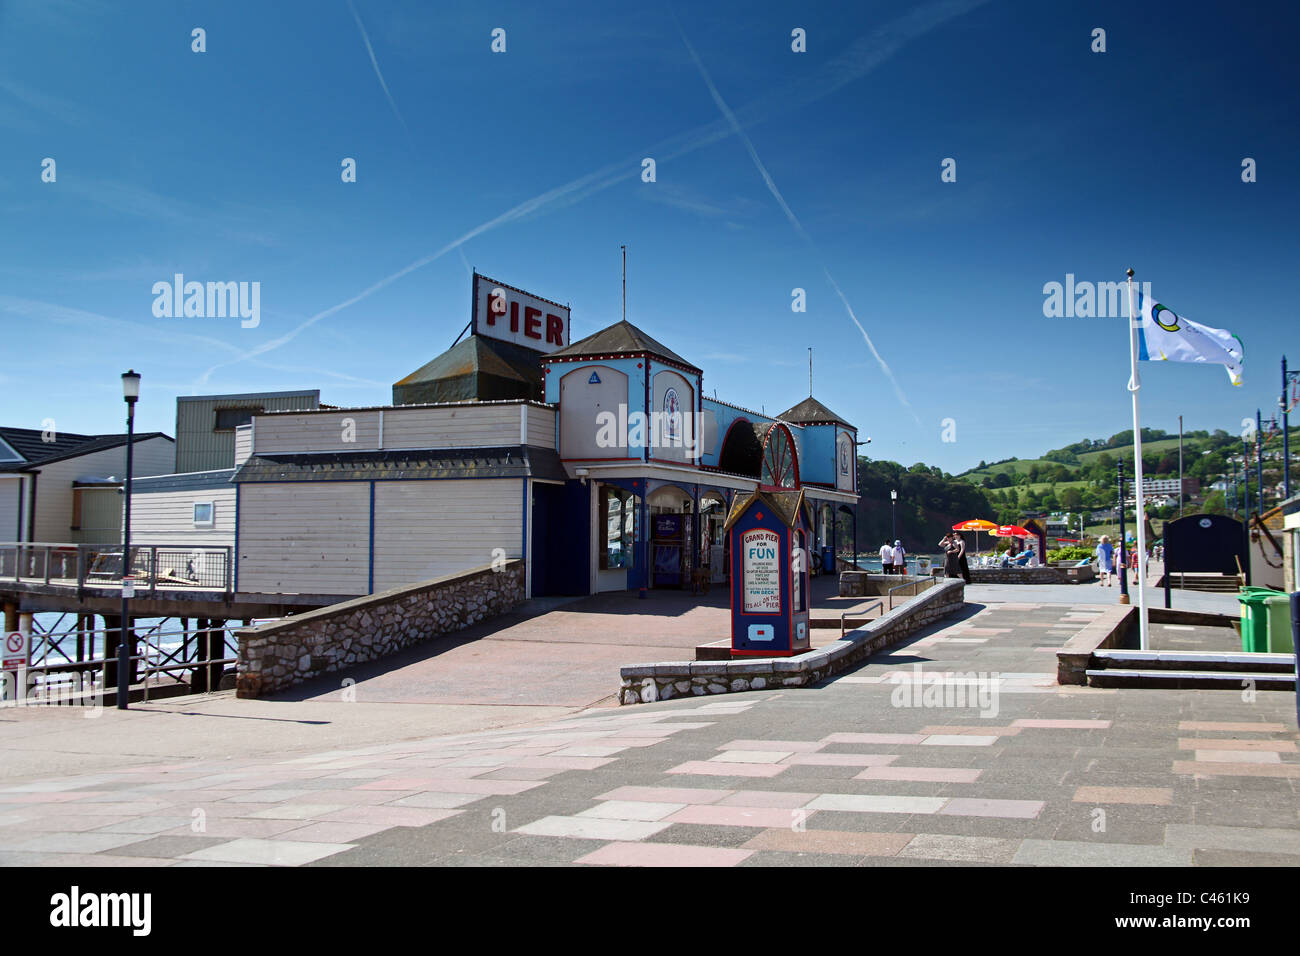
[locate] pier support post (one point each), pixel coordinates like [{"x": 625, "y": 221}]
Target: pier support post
[
  {"x": 209, "y": 646},
  {"x": 11, "y": 617}
]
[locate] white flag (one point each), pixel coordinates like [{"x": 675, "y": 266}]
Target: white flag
[{"x": 1165, "y": 336}]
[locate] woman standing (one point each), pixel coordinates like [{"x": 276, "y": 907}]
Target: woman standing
[
  {"x": 951, "y": 557},
  {"x": 1105, "y": 561},
  {"x": 961, "y": 559}
]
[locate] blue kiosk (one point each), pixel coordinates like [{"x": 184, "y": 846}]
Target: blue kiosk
[{"x": 770, "y": 586}]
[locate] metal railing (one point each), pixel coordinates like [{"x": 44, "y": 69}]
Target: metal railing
[
  {"x": 855, "y": 613},
  {"x": 53, "y": 675},
  {"x": 920, "y": 585},
  {"x": 154, "y": 566}
]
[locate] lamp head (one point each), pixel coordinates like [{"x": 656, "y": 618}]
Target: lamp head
[{"x": 130, "y": 386}]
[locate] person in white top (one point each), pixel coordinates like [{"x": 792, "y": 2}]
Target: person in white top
[
  {"x": 886, "y": 559},
  {"x": 900, "y": 558}
]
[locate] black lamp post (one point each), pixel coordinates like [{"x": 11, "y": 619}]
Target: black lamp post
[
  {"x": 893, "y": 522},
  {"x": 131, "y": 393}
]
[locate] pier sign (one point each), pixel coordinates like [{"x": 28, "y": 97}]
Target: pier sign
[
  {"x": 512, "y": 315},
  {"x": 16, "y": 651}
]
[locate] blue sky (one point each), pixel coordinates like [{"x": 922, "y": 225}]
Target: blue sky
[{"x": 816, "y": 170}]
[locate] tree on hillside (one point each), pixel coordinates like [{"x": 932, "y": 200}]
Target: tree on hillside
[
  {"x": 1001, "y": 480},
  {"x": 1215, "y": 504},
  {"x": 1072, "y": 498}
]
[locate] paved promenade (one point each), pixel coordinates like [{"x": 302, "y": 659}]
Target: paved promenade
[{"x": 890, "y": 764}]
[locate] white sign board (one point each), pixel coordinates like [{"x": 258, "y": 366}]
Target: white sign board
[
  {"x": 761, "y": 571},
  {"x": 512, "y": 315},
  {"x": 15, "y": 651}
]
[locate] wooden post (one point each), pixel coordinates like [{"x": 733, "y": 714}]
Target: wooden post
[{"x": 11, "y": 617}]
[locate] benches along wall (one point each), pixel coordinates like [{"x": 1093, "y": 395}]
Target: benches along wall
[{"x": 283, "y": 653}]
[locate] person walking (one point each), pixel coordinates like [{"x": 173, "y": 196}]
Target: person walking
[
  {"x": 886, "y": 559},
  {"x": 900, "y": 558},
  {"x": 1105, "y": 561}
]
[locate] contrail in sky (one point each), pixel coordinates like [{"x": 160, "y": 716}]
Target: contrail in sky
[
  {"x": 789, "y": 213},
  {"x": 863, "y": 55},
  {"x": 365, "y": 38}
]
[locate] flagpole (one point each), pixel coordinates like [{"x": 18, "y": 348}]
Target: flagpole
[{"x": 1134, "y": 385}]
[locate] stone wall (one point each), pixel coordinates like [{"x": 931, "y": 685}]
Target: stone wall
[
  {"x": 644, "y": 683},
  {"x": 1048, "y": 575},
  {"x": 295, "y": 649}
]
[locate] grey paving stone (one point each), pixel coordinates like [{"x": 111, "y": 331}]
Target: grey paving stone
[
  {"x": 1078, "y": 853},
  {"x": 1247, "y": 839}
]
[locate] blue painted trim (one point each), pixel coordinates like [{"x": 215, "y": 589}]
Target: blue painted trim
[
  {"x": 371, "y": 581},
  {"x": 234, "y": 555}
]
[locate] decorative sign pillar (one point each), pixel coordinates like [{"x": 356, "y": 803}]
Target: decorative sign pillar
[{"x": 770, "y": 536}]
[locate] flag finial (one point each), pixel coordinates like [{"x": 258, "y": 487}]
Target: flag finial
[{"x": 1130, "y": 273}]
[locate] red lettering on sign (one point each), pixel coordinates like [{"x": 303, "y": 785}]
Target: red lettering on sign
[
  {"x": 532, "y": 322},
  {"x": 554, "y": 329},
  {"x": 514, "y": 316}
]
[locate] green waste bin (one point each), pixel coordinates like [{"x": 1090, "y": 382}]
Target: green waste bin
[
  {"x": 1254, "y": 618},
  {"x": 1278, "y": 605}
]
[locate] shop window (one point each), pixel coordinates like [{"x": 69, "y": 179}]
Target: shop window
[{"x": 619, "y": 529}]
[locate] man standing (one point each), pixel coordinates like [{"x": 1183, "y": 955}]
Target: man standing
[{"x": 886, "y": 559}]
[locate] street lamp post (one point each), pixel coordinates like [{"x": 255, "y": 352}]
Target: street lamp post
[
  {"x": 893, "y": 522},
  {"x": 130, "y": 393}
]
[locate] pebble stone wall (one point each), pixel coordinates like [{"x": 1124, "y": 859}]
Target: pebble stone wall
[
  {"x": 645, "y": 683},
  {"x": 295, "y": 649}
]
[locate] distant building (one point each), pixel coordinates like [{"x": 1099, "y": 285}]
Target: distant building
[
  {"x": 205, "y": 424},
  {"x": 63, "y": 488},
  {"x": 1163, "y": 486}
]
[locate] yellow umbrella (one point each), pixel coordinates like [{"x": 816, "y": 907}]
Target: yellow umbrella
[{"x": 977, "y": 525}]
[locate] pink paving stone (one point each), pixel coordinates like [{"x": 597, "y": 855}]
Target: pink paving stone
[
  {"x": 1238, "y": 756},
  {"x": 774, "y": 799},
  {"x": 732, "y": 816},
  {"x": 562, "y": 763},
  {"x": 986, "y": 630},
  {"x": 633, "y": 741},
  {"x": 666, "y": 794},
  {"x": 712, "y": 768},
  {"x": 973, "y": 807},
  {"x": 389, "y": 816},
  {"x": 663, "y": 854},
  {"x": 235, "y": 828},
  {"x": 1154, "y": 796},
  {"x": 846, "y": 738},
  {"x": 500, "y": 788},
  {"x": 789, "y": 746},
  {"x": 852, "y": 843},
  {"x": 1211, "y": 743},
  {"x": 1061, "y": 724},
  {"x": 51, "y": 797},
  {"x": 921, "y": 774},
  {"x": 960, "y": 740},
  {"x": 517, "y": 773},
  {"x": 1231, "y": 728},
  {"x": 1205, "y": 768},
  {"x": 974, "y": 731},
  {"x": 357, "y": 796},
  {"x": 840, "y": 760},
  {"x": 334, "y": 832}
]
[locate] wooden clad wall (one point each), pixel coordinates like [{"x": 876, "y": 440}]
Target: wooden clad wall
[
  {"x": 457, "y": 426},
  {"x": 167, "y": 517},
  {"x": 305, "y": 537},
  {"x": 152, "y": 456},
  {"x": 424, "y": 529}
]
